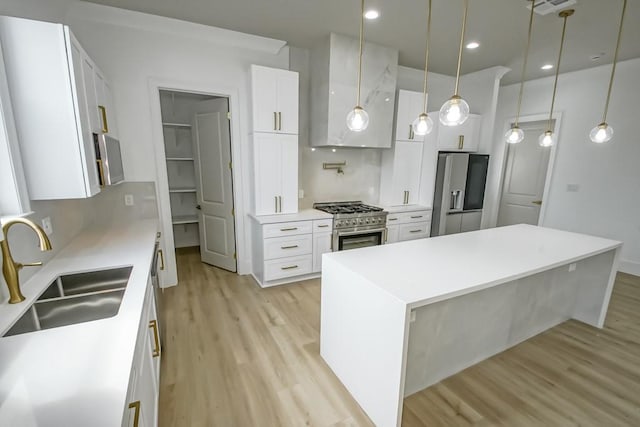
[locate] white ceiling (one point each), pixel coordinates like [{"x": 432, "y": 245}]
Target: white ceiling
[{"x": 499, "y": 25}]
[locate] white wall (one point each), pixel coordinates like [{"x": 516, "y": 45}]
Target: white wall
[{"x": 608, "y": 201}]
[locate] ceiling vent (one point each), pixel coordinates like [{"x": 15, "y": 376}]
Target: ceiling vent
[{"x": 545, "y": 7}]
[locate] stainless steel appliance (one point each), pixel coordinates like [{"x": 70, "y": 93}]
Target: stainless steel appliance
[
  {"x": 355, "y": 225},
  {"x": 459, "y": 193},
  {"x": 108, "y": 159}
]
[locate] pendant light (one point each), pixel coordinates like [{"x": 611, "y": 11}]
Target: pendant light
[
  {"x": 423, "y": 124},
  {"x": 603, "y": 132},
  {"x": 358, "y": 119},
  {"x": 515, "y": 135},
  {"x": 547, "y": 138},
  {"x": 455, "y": 111}
]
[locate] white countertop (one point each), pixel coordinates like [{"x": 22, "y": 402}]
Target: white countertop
[
  {"x": 77, "y": 375},
  {"x": 406, "y": 208},
  {"x": 303, "y": 215},
  {"x": 425, "y": 271}
]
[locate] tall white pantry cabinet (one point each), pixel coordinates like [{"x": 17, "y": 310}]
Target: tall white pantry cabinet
[{"x": 275, "y": 140}]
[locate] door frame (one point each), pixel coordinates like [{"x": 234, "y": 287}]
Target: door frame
[
  {"x": 550, "y": 168},
  {"x": 155, "y": 85}
]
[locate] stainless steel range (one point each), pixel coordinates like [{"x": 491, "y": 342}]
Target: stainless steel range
[{"x": 355, "y": 225}]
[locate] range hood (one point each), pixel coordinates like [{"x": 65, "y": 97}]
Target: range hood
[{"x": 334, "y": 68}]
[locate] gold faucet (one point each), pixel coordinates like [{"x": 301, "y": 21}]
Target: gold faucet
[{"x": 10, "y": 268}]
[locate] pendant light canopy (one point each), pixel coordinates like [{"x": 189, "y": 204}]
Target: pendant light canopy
[
  {"x": 455, "y": 111},
  {"x": 358, "y": 119},
  {"x": 423, "y": 124},
  {"x": 603, "y": 132},
  {"x": 547, "y": 139},
  {"x": 515, "y": 135}
]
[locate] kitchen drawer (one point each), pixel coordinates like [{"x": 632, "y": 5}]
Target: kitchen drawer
[
  {"x": 287, "y": 229},
  {"x": 323, "y": 225},
  {"x": 287, "y": 267},
  {"x": 412, "y": 231},
  {"x": 408, "y": 217},
  {"x": 288, "y": 246}
]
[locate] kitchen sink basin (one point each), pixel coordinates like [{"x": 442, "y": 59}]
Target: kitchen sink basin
[{"x": 75, "y": 298}]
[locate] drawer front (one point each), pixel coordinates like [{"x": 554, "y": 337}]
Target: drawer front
[
  {"x": 412, "y": 231},
  {"x": 408, "y": 217},
  {"x": 286, "y": 229},
  {"x": 287, "y": 267},
  {"x": 281, "y": 247},
  {"x": 323, "y": 225}
]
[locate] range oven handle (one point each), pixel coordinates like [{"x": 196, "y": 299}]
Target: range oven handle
[{"x": 354, "y": 233}]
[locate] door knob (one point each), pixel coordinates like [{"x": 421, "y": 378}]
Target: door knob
[
  {"x": 537, "y": 202},
  {"x": 198, "y": 207}
]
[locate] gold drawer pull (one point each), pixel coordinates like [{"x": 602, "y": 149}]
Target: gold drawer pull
[
  {"x": 323, "y": 226},
  {"x": 291, "y": 267},
  {"x": 156, "y": 350},
  {"x": 415, "y": 231},
  {"x": 416, "y": 217},
  {"x": 460, "y": 142},
  {"x": 275, "y": 120},
  {"x": 103, "y": 113},
  {"x": 161, "y": 259},
  {"x": 289, "y": 229},
  {"x": 289, "y": 247},
  {"x": 136, "y": 415},
  {"x": 392, "y": 219}
]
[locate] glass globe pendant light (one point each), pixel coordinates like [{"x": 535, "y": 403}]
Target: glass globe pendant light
[
  {"x": 603, "y": 132},
  {"x": 455, "y": 111},
  {"x": 547, "y": 139},
  {"x": 423, "y": 124},
  {"x": 358, "y": 119},
  {"x": 515, "y": 135}
]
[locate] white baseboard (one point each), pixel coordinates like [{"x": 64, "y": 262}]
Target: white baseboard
[{"x": 629, "y": 267}]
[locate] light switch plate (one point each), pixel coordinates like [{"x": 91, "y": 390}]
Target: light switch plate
[
  {"x": 572, "y": 267},
  {"x": 300, "y": 194},
  {"x": 128, "y": 199},
  {"x": 413, "y": 316},
  {"x": 47, "y": 226},
  {"x": 573, "y": 188}
]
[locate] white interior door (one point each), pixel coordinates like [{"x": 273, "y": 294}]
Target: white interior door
[
  {"x": 212, "y": 156},
  {"x": 524, "y": 179}
]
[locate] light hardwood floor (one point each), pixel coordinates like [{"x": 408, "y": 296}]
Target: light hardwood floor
[{"x": 238, "y": 355}]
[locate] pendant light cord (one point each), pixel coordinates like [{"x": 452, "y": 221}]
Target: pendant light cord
[
  {"x": 426, "y": 60},
  {"x": 526, "y": 61},
  {"x": 361, "y": 47},
  {"x": 564, "y": 14},
  {"x": 615, "y": 61},
  {"x": 464, "y": 27}
]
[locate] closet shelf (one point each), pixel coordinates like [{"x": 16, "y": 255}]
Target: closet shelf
[
  {"x": 184, "y": 219},
  {"x": 177, "y": 125}
]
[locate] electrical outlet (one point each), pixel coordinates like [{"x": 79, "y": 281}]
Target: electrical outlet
[
  {"x": 572, "y": 267},
  {"x": 47, "y": 226},
  {"x": 300, "y": 194},
  {"x": 128, "y": 199},
  {"x": 412, "y": 317}
]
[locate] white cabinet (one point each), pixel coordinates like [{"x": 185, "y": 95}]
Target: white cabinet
[
  {"x": 275, "y": 173},
  {"x": 465, "y": 138},
  {"x": 104, "y": 106},
  {"x": 142, "y": 396},
  {"x": 52, "y": 82},
  {"x": 409, "y": 107},
  {"x": 410, "y": 225},
  {"x": 401, "y": 174},
  {"x": 275, "y": 100},
  {"x": 322, "y": 241},
  {"x": 463, "y": 222}
]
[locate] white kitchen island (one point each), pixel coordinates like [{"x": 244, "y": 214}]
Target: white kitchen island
[{"x": 398, "y": 318}]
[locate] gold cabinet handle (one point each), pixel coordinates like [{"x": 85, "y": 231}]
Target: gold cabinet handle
[
  {"x": 291, "y": 267},
  {"x": 416, "y": 217},
  {"x": 415, "y": 231},
  {"x": 392, "y": 219},
  {"x": 289, "y": 247},
  {"x": 136, "y": 415},
  {"x": 276, "y": 200},
  {"x": 103, "y": 114},
  {"x": 410, "y": 131},
  {"x": 323, "y": 226},
  {"x": 537, "y": 202},
  {"x": 101, "y": 173},
  {"x": 386, "y": 235},
  {"x": 460, "y": 142},
  {"x": 153, "y": 324},
  {"x": 279, "y": 120},
  {"x": 289, "y": 229},
  {"x": 161, "y": 259},
  {"x": 275, "y": 121}
]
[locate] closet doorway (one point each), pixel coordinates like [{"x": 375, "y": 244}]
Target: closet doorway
[{"x": 197, "y": 142}]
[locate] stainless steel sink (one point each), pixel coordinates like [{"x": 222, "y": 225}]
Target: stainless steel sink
[{"x": 75, "y": 298}]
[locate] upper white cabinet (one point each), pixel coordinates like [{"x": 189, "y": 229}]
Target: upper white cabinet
[
  {"x": 465, "y": 138},
  {"x": 275, "y": 100},
  {"x": 276, "y": 173},
  {"x": 401, "y": 172},
  {"x": 104, "y": 106},
  {"x": 409, "y": 107},
  {"x": 52, "y": 82}
]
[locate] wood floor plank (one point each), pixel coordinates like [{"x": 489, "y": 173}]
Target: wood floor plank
[{"x": 238, "y": 355}]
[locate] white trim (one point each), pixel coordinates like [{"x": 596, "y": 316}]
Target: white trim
[
  {"x": 629, "y": 267},
  {"x": 240, "y": 187},
  {"x": 550, "y": 168},
  {"x": 159, "y": 24}
]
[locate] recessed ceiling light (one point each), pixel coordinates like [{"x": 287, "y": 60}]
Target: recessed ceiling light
[
  {"x": 547, "y": 67},
  {"x": 473, "y": 45},
  {"x": 372, "y": 14}
]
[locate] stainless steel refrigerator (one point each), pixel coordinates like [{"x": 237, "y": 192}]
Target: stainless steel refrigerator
[{"x": 459, "y": 193}]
